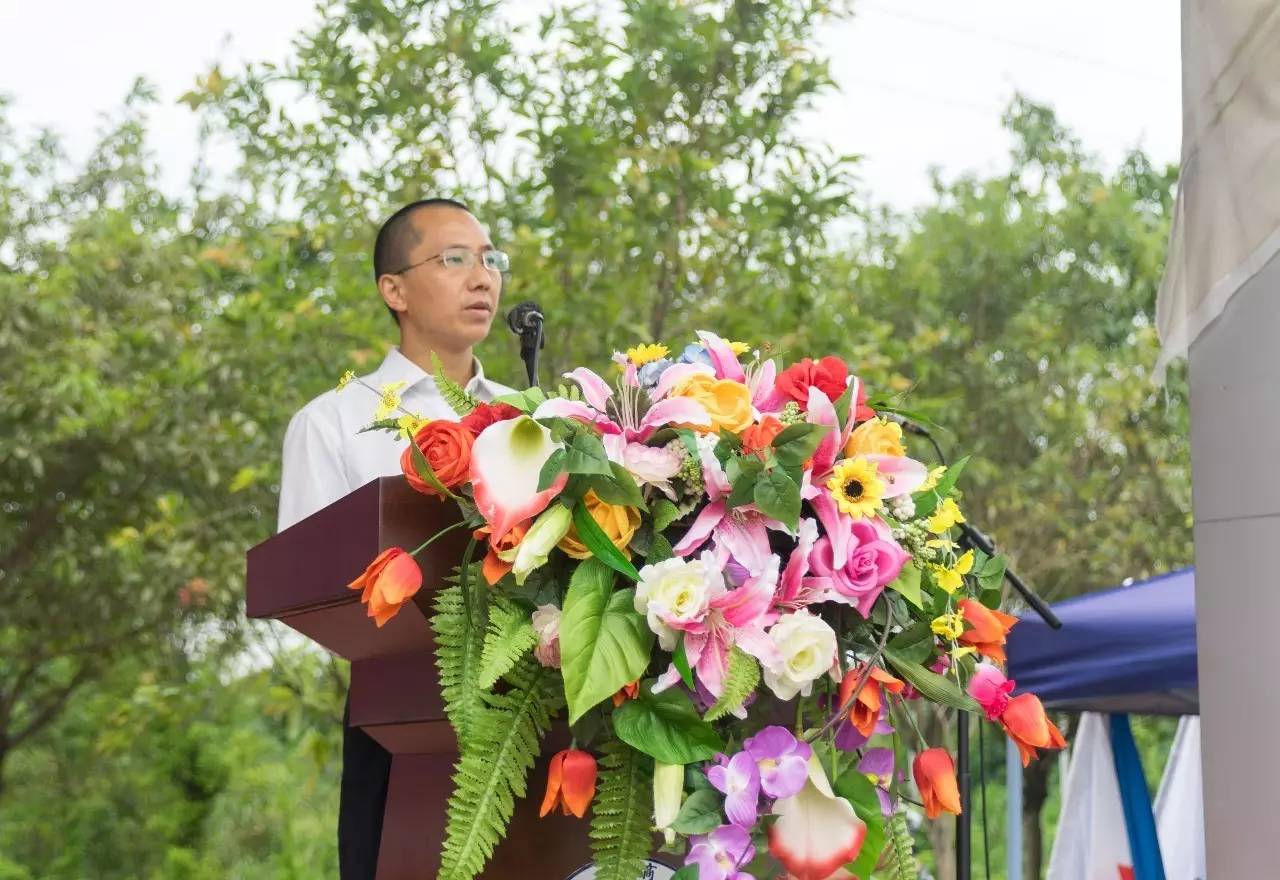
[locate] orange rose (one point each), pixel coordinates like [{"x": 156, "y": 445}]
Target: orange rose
[
  {"x": 758, "y": 438},
  {"x": 875, "y": 437},
  {"x": 495, "y": 568},
  {"x": 389, "y": 581},
  {"x": 728, "y": 403},
  {"x": 447, "y": 447},
  {"x": 618, "y": 522}
]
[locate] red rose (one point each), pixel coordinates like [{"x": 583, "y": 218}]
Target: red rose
[
  {"x": 447, "y": 447},
  {"x": 828, "y": 375},
  {"x": 485, "y": 414},
  {"x": 864, "y": 412}
]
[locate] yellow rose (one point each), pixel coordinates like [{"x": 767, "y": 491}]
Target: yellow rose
[
  {"x": 876, "y": 437},
  {"x": 728, "y": 403},
  {"x": 618, "y": 522}
]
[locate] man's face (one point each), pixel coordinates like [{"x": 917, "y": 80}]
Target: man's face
[{"x": 449, "y": 304}]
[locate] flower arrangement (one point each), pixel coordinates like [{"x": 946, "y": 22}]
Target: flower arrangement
[{"x": 733, "y": 580}]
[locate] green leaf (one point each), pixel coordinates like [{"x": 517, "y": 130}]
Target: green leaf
[
  {"x": 664, "y": 513},
  {"x": 681, "y": 661},
  {"x": 991, "y": 577},
  {"x": 931, "y": 685},
  {"x": 740, "y": 681},
  {"x": 604, "y": 643},
  {"x": 618, "y": 488},
  {"x": 599, "y": 544},
  {"x": 551, "y": 469},
  {"x": 622, "y": 813},
  {"x": 586, "y": 455},
  {"x": 927, "y": 502},
  {"x": 688, "y": 872},
  {"x": 699, "y": 814},
  {"x": 427, "y": 475},
  {"x": 914, "y": 644},
  {"x": 659, "y": 550},
  {"x": 797, "y": 443},
  {"x": 509, "y": 638},
  {"x": 743, "y": 473},
  {"x": 665, "y": 726},
  {"x": 778, "y": 496},
  {"x": 860, "y": 791},
  {"x": 907, "y": 585},
  {"x": 454, "y": 394}
]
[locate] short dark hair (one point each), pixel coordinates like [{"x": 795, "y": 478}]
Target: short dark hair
[{"x": 397, "y": 237}]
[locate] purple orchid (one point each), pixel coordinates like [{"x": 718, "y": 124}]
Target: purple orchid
[
  {"x": 781, "y": 760},
  {"x": 719, "y": 854},
  {"x": 878, "y": 763},
  {"x": 739, "y": 780}
]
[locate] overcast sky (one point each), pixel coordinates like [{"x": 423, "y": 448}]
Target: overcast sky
[{"x": 923, "y": 82}]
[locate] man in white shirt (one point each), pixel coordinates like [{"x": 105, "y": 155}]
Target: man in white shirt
[{"x": 441, "y": 278}]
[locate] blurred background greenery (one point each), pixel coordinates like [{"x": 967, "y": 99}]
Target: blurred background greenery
[{"x": 647, "y": 177}]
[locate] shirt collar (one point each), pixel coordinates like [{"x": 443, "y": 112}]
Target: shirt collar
[{"x": 396, "y": 367}]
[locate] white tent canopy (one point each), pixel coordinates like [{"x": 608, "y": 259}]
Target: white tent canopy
[{"x": 1226, "y": 222}]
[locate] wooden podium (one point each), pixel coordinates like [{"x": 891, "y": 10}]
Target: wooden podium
[{"x": 300, "y": 577}]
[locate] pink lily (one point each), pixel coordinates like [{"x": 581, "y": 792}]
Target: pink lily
[
  {"x": 724, "y": 361},
  {"x": 633, "y": 425},
  {"x": 796, "y": 588},
  {"x": 734, "y": 617}
]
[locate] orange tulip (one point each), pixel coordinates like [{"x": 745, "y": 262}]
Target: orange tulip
[
  {"x": 935, "y": 775},
  {"x": 389, "y": 581},
  {"x": 626, "y": 692},
  {"x": 571, "y": 783},
  {"x": 1029, "y": 727},
  {"x": 865, "y": 711},
  {"x": 495, "y": 568},
  {"x": 988, "y": 629}
]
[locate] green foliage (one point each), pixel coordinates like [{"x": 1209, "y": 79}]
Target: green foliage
[
  {"x": 510, "y": 637},
  {"x": 859, "y": 791},
  {"x": 454, "y": 394},
  {"x": 740, "y": 681},
  {"x": 666, "y": 727},
  {"x": 500, "y": 748},
  {"x": 902, "y": 859},
  {"x": 459, "y": 631},
  {"x": 937, "y": 688},
  {"x": 604, "y": 643},
  {"x": 622, "y": 812}
]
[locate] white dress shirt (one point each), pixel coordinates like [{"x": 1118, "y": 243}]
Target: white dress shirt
[{"x": 324, "y": 455}]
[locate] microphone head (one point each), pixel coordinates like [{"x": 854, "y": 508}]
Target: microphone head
[{"x": 521, "y": 317}]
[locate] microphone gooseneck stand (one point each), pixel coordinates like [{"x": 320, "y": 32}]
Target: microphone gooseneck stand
[
  {"x": 526, "y": 320},
  {"x": 971, "y": 536}
]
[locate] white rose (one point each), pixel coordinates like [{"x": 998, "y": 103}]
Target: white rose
[
  {"x": 806, "y": 650},
  {"x": 675, "y": 594},
  {"x": 546, "y": 623}
]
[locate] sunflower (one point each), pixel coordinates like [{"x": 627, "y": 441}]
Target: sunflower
[
  {"x": 857, "y": 487},
  {"x": 649, "y": 351}
]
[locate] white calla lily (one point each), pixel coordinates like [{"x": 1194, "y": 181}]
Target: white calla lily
[{"x": 506, "y": 461}]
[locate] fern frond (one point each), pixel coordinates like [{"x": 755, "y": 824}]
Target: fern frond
[
  {"x": 509, "y": 638},
  {"x": 902, "y": 848},
  {"x": 622, "y": 814},
  {"x": 740, "y": 681},
  {"x": 459, "y": 632},
  {"x": 504, "y": 741},
  {"x": 454, "y": 394}
]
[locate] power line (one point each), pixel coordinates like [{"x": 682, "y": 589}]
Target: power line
[{"x": 1022, "y": 45}]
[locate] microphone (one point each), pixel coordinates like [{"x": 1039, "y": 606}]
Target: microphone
[{"x": 525, "y": 317}]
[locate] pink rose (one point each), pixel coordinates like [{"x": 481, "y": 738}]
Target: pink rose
[{"x": 875, "y": 559}]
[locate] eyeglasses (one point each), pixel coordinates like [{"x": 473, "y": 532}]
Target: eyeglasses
[{"x": 465, "y": 258}]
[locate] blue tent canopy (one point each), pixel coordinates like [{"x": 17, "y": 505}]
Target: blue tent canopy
[{"x": 1128, "y": 649}]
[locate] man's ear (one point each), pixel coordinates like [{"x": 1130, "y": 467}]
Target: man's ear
[{"x": 393, "y": 293}]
